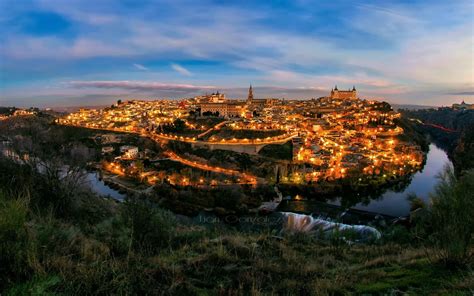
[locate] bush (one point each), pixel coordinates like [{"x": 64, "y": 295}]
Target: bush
[
  {"x": 152, "y": 228},
  {"x": 448, "y": 225},
  {"x": 13, "y": 239},
  {"x": 115, "y": 234},
  {"x": 415, "y": 202},
  {"x": 278, "y": 151},
  {"x": 228, "y": 198}
]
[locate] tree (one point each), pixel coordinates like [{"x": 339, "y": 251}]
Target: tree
[
  {"x": 448, "y": 225},
  {"x": 179, "y": 125}
]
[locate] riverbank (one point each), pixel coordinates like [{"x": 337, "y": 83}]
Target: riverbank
[
  {"x": 80, "y": 243},
  {"x": 138, "y": 249},
  {"x": 390, "y": 199}
]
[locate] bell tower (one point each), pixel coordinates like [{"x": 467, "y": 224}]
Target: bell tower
[{"x": 250, "y": 96}]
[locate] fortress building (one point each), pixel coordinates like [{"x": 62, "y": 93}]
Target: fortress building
[
  {"x": 228, "y": 109},
  {"x": 344, "y": 94},
  {"x": 218, "y": 105},
  {"x": 216, "y": 97}
]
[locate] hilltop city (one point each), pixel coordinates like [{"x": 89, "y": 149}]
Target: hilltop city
[
  {"x": 336, "y": 135},
  {"x": 236, "y": 147}
]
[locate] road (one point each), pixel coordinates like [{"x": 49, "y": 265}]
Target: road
[
  {"x": 249, "y": 179},
  {"x": 266, "y": 141},
  {"x": 216, "y": 127}
]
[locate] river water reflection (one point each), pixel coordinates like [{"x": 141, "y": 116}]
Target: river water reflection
[
  {"x": 389, "y": 203},
  {"x": 100, "y": 188},
  {"x": 422, "y": 184}
]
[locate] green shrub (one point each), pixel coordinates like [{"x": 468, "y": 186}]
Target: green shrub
[
  {"x": 50, "y": 236},
  {"x": 415, "y": 202},
  {"x": 116, "y": 234},
  {"x": 397, "y": 234},
  {"x": 448, "y": 225},
  {"x": 152, "y": 228},
  {"x": 36, "y": 286},
  {"x": 13, "y": 239}
]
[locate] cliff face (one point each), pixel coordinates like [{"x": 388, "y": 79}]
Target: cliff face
[
  {"x": 463, "y": 155},
  {"x": 459, "y": 142}
]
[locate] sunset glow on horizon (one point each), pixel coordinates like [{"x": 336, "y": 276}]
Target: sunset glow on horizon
[{"x": 73, "y": 53}]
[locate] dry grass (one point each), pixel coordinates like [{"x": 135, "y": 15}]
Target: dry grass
[{"x": 57, "y": 256}]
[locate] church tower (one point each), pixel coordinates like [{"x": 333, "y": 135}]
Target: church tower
[{"x": 250, "y": 96}]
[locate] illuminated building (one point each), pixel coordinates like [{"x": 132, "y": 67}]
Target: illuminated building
[
  {"x": 218, "y": 105},
  {"x": 250, "y": 96},
  {"x": 344, "y": 94}
]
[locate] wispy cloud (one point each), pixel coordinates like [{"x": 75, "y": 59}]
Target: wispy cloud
[
  {"x": 181, "y": 70},
  {"x": 140, "y": 85},
  {"x": 140, "y": 67},
  {"x": 388, "y": 12},
  {"x": 462, "y": 93}
]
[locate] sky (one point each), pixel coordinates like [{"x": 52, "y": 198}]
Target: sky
[{"x": 93, "y": 52}]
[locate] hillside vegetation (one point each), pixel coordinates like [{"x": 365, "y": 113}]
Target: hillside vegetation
[
  {"x": 57, "y": 237},
  {"x": 78, "y": 244},
  {"x": 459, "y": 143}
]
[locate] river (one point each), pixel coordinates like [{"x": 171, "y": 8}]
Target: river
[
  {"x": 422, "y": 184},
  {"x": 389, "y": 203},
  {"x": 396, "y": 203},
  {"x": 99, "y": 187}
]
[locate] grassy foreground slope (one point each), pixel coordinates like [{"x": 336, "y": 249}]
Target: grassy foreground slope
[
  {"x": 91, "y": 245},
  {"x": 53, "y": 256},
  {"x": 57, "y": 237}
]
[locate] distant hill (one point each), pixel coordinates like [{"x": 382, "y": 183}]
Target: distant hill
[
  {"x": 411, "y": 107},
  {"x": 7, "y": 110},
  {"x": 76, "y": 108}
]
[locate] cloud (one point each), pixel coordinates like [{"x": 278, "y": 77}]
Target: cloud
[
  {"x": 181, "y": 70},
  {"x": 391, "y": 48},
  {"x": 140, "y": 67},
  {"x": 51, "y": 47},
  {"x": 324, "y": 81},
  {"x": 462, "y": 93},
  {"x": 140, "y": 86},
  {"x": 386, "y": 11}
]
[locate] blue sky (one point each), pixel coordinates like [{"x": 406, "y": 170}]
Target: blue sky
[{"x": 69, "y": 53}]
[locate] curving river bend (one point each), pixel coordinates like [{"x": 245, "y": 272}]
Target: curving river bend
[
  {"x": 422, "y": 184},
  {"x": 389, "y": 203}
]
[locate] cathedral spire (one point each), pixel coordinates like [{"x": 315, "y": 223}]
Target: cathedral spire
[{"x": 250, "y": 96}]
